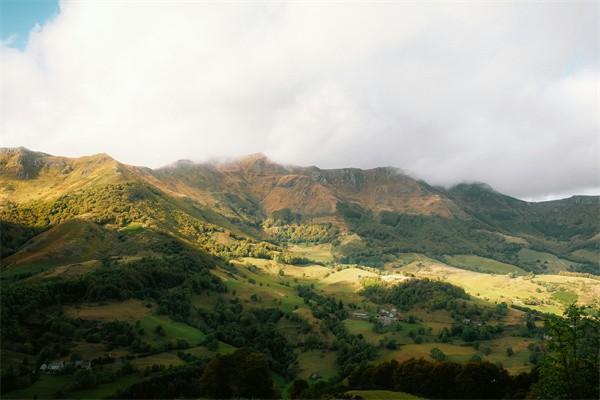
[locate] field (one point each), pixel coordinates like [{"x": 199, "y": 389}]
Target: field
[
  {"x": 261, "y": 287},
  {"x": 454, "y": 352},
  {"x": 46, "y": 387},
  {"x": 89, "y": 351},
  {"x": 166, "y": 359},
  {"x": 108, "y": 389},
  {"x": 128, "y": 310},
  {"x": 535, "y": 292},
  {"x": 13, "y": 358},
  {"x": 31, "y": 269},
  {"x": 317, "y": 362},
  {"x": 318, "y": 253},
  {"x": 310, "y": 271},
  {"x": 201, "y": 351},
  {"x": 133, "y": 227},
  {"x": 552, "y": 263},
  {"x": 482, "y": 264},
  {"x": 52, "y": 386},
  {"x": 365, "y": 328},
  {"x": 518, "y": 362},
  {"x": 173, "y": 330}
]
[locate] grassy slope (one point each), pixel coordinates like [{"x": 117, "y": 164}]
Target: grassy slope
[{"x": 482, "y": 264}]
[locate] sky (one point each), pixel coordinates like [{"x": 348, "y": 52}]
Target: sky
[{"x": 503, "y": 92}]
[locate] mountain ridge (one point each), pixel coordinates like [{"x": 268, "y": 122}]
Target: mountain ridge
[
  {"x": 226, "y": 164},
  {"x": 253, "y": 198}
]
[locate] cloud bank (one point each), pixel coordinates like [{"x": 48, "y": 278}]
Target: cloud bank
[{"x": 504, "y": 93}]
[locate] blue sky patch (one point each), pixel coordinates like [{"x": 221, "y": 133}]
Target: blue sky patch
[{"x": 19, "y": 17}]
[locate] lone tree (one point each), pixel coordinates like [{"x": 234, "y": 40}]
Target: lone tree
[{"x": 570, "y": 367}]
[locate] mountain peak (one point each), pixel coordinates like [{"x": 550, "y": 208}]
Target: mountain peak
[{"x": 253, "y": 157}]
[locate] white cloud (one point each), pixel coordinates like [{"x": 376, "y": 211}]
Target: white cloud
[{"x": 505, "y": 93}]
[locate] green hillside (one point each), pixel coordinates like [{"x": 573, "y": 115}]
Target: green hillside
[{"x": 308, "y": 283}]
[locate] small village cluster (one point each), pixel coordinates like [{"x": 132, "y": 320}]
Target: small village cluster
[
  {"x": 58, "y": 366},
  {"x": 384, "y": 316}
]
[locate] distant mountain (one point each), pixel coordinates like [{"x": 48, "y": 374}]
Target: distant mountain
[{"x": 368, "y": 215}]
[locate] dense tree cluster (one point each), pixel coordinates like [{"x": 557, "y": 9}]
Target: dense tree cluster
[
  {"x": 301, "y": 232},
  {"x": 425, "y": 292},
  {"x": 242, "y": 374},
  {"x": 255, "y": 329},
  {"x": 287, "y": 258},
  {"x": 443, "y": 380},
  {"x": 470, "y": 332}
]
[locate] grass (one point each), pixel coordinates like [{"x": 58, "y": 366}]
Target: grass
[
  {"x": 33, "y": 268},
  {"x": 365, "y": 328},
  {"x": 586, "y": 255},
  {"x": 519, "y": 361},
  {"x": 319, "y": 362},
  {"x": 453, "y": 351},
  {"x": 201, "y": 351},
  {"x": 165, "y": 359},
  {"x": 205, "y": 301},
  {"x": 44, "y": 388},
  {"x": 267, "y": 286},
  {"x": 564, "y": 297},
  {"x": 13, "y": 358},
  {"x": 348, "y": 276},
  {"x": 173, "y": 330},
  {"x": 67, "y": 271},
  {"x": 382, "y": 395},
  {"x": 552, "y": 263},
  {"x": 345, "y": 284},
  {"x": 482, "y": 264},
  {"x": 108, "y": 389},
  {"x": 310, "y": 271},
  {"x": 89, "y": 351},
  {"x": 318, "y": 253},
  {"x": 128, "y": 310},
  {"x": 133, "y": 227},
  {"x": 535, "y": 293}
]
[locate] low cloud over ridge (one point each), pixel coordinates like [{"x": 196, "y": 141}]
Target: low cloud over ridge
[{"x": 501, "y": 93}]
